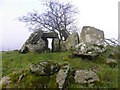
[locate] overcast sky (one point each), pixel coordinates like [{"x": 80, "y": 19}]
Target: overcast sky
[{"x": 102, "y": 14}]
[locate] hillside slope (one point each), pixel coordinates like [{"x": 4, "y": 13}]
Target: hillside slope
[{"x": 15, "y": 62}]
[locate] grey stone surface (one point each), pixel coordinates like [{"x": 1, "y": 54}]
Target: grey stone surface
[
  {"x": 91, "y": 35},
  {"x": 37, "y": 42},
  {"x": 62, "y": 76},
  {"x": 87, "y": 49},
  {"x": 111, "y": 62},
  {"x": 44, "y": 68},
  {"x": 85, "y": 76},
  {"x": 38, "y": 47},
  {"x": 72, "y": 40},
  {"x": 4, "y": 82},
  {"x": 55, "y": 45},
  {"x": 50, "y": 35},
  {"x": 34, "y": 43},
  {"x": 62, "y": 46},
  {"x": 34, "y": 37},
  {"x": 65, "y": 34}
]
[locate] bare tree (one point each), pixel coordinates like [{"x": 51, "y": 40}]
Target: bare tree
[{"x": 57, "y": 17}]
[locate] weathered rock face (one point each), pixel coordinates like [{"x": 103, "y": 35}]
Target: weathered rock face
[
  {"x": 37, "y": 42},
  {"x": 34, "y": 43},
  {"x": 34, "y": 37},
  {"x": 62, "y": 46},
  {"x": 44, "y": 68},
  {"x": 85, "y": 76},
  {"x": 91, "y": 35},
  {"x": 87, "y": 49},
  {"x": 55, "y": 45},
  {"x": 62, "y": 76},
  {"x": 38, "y": 47},
  {"x": 72, "y": 40}
]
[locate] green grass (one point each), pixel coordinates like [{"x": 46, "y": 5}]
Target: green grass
[{"x": 15, "y": 61}]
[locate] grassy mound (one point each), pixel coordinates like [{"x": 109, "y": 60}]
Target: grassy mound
[{"x": 13, "y": 61}]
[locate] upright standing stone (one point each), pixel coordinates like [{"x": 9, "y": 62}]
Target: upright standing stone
[
  {"x": 72, "y": 40},
  {"x": 91, "y": 35},
  {"x": 55, "y": 44},
  {"x": 62, "y": 46}
]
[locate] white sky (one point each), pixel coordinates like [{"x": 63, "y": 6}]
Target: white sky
[{"x": 102, "y": 14}]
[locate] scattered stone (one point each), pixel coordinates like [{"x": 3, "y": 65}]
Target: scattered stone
[
  {"x": 44, "y": 68},
  {"x": 72, "y": 41},
  {"x": 91, "y": 35},
  {"x": 95, "y": 69},
  {"x": 4, "y": 81},
  {"x": 111, "y": 62},
  {"x": 113, "y": 54},
  {"x": 85, "y": 76},
  {"x": 87, "y": 49},
  {"x": 62, "y": 76}
]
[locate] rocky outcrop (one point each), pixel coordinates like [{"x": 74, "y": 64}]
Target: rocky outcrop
[
  {"x": 44, "y": 68},
  {"x": 72, "y": 41},
  {"x": 62, "y": 76},
  {"x": 87, "y": 49},
  {"x": 85, "y": 76},
  {"x": 91, "y": 35}
]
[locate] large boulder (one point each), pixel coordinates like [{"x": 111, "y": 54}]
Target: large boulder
[
  {"x": 62, "y": 76},
  {"x": 87, "y": 49},
  {"x": 44, "y": 68},
  {"x": 91, "y": 35},
  {"x": 38, "y": 47},
  {"x": 34, "y": 43},
  {"x": 34, "y": 37},
  {"x": 85, "y": 76},
  {"x": 72, "y": 40}
]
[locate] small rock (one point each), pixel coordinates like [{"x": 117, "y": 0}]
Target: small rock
[
  {"x": 44, "y": 68},
  {"x": 111, "y": 62},
  {"x": 85, "y": 76},
  {"x": 4, "y": 81}
]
